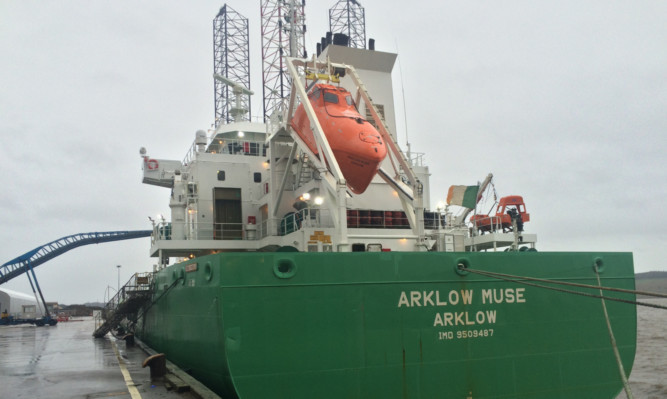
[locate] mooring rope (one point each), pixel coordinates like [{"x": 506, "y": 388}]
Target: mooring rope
[
  {"x": 144, "y": 310},
  {"x": 525, "y": 280},
  {"x": 621, "y": 370},
  {"x": 154, "y": 301}
]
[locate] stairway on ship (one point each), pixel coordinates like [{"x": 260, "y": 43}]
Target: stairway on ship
[{"x": 127, "y": 302}]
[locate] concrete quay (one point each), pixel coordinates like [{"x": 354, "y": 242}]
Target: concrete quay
[{"x": 65, "y": 361}]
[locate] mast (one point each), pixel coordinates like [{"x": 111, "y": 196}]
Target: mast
[
  {"x": 231, "y": 59},
  {"x": 283, "y": 35},
  {"x": 349, "y": 17}
]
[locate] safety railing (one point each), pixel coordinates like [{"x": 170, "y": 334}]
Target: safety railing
[
  {"x": 417, "y": 158},
  {"x": 377, "y": 219},
  {"x": 203, "y": 231},
  {"x": 487, "y": 224},
  {"x": 139, "y": 283},
  {"x": 278, "y": 118},
  {"x": 238, "y": 147},
  {"x": 228, "y": 146},
  {"x": 308, "y": 217}
]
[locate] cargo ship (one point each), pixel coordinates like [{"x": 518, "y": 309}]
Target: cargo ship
[{"x": 276, "y": 278}]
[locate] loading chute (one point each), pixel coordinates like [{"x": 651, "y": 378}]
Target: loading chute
[{"x": 46, "y": 252}]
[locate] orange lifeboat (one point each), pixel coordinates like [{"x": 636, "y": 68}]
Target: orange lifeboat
[
  {"x": 507, "y": 206},
  {"x": 356, "y": 144}
]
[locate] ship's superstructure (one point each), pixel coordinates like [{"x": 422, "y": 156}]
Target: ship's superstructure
[{"x": 254, "y": 187}]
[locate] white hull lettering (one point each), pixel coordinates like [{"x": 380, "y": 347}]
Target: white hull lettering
[
  {"x": 464, "y": 318},
  {"x": 411, "y": 299},
  {"x": 507, "y": 295}
]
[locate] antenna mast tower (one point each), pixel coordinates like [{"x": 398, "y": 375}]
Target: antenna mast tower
[
  {"x": 283, "y": 35},
  {"x": 349, "y": 17},
  {"x": 231, "y": 59}
]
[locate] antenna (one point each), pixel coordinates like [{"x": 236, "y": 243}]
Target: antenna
[
  {"x": 405, "y": 109},
  {"x": 238, "y": 110}
]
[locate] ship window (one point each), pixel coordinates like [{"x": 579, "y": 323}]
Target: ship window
[
  {"x": 315, "y": 95},
  {"x": 221, "y": 175},
  {"x": 349, "y": 100},
  {"x": 257, "y": 177},
  {"x": 330, "y": 97}
]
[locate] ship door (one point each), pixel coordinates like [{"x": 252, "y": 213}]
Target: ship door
[{"x": 228, "y": 218}]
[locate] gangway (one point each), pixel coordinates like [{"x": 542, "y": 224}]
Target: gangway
[
  {"x": 125, "y": 304},
  {"x": 46, "y": 252}
]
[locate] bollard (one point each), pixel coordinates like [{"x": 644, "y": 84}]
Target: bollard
[
  {"x": 158, "y": 365},
  {"x": 129, "y": 340}
]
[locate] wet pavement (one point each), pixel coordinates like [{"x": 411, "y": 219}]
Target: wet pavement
[{"x": 65, "y": 361}]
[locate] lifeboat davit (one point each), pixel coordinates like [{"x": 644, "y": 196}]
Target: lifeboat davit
[{"x": 356, "y": 144}]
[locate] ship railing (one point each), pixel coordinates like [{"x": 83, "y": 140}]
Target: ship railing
[
  {"x": 229, "y": 146},
  {"x": 305, "y": 218},
  {"x": 203, "y": 231},
  {"x": 417, "y": 158},
  {"x": 381, "y": 219},
  {"x": 293, "y": 221},
  {"x": 190, "y": 155},
  {"x": 139, "y": 283},
  {"x": 489, "y": 223},
  {"x": 277, "y": 118},
  {"x": 377, "y": 219},
  {"x": 238, "y": 147}
]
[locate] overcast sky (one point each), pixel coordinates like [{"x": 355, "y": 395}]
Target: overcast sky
[{"x": 565, "y": 102}]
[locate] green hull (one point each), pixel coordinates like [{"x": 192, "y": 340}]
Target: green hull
[{"x": 392, "y": 325}]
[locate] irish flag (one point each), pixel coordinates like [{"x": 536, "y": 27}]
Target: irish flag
[{"x": 465, "y": 196}]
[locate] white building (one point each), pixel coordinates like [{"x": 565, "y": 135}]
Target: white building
[{"x": 19, "y": 305}]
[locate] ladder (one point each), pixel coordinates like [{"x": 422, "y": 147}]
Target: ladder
[
  {"x": 304, "y": 173},
  {"x": 126, "y": 303}
]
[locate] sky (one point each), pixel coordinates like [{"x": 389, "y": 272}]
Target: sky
[{"x": 565, "y": 102}]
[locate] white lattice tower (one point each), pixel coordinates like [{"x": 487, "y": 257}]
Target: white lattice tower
[
  {"x": 348, "y": 17},
  {"x": 231, "y": 59},
  {"x": 283, "y": 35}
]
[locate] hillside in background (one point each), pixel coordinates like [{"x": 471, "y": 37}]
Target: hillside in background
[{"x": 652, "y": 282}]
